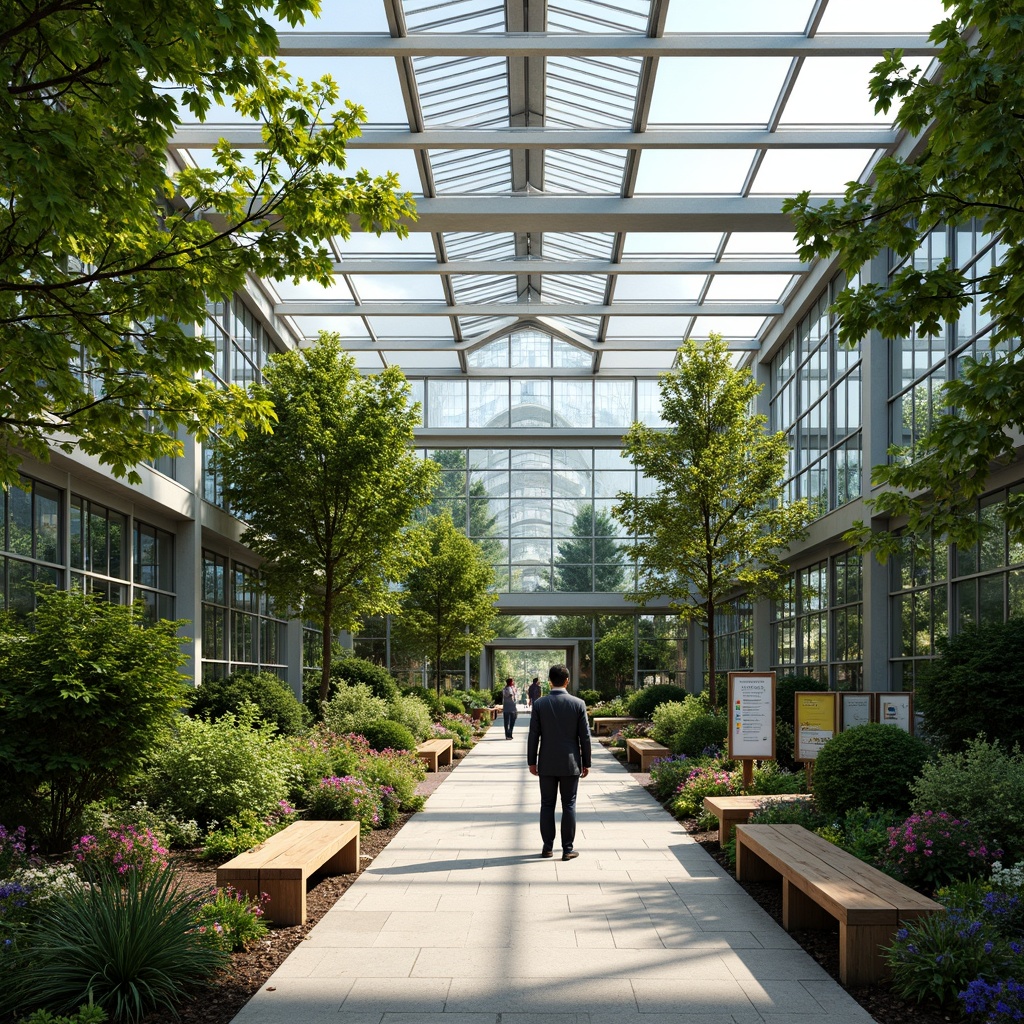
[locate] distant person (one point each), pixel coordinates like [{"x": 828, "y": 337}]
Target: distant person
[
  {"x": 509, "y": 712},
  {"x": 558, "y": 726},
  {"x": 533, "y": 692}
]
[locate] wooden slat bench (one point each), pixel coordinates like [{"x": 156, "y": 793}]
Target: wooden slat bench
[
  {"x": 735, "y": 810},
  {"x": 820, "y": 881},
  {"x": 606, "y": 726},
  {"x": 643, "y": 752},
  {"x": 435, "y": 753},
  {"x": 281, "y": 866}
]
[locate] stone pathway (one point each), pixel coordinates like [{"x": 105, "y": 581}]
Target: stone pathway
[{"x": 459, "y": 921}]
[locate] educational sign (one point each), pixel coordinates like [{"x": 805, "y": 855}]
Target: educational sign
[
  {"x": 896, "y": 709},
  {"x": 856, "y": 709},
  {"x": 816, "y": 716},
  {"x": 752, "y": 715}
]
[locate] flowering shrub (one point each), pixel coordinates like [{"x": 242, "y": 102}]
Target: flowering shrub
[
  {"x": 668, "y": 772},
  {"x": 633, "y": 731},
  {"x": 940, "y": 955},
  {"x": 932, "y": 848},
  {"x": 15, "y": 854},
  {"x": 399, "y": 769},
  {"x": 125, "y": 849},
  {"x": 347, "y": 799},
  {"x": 232, "y": 920},
  {"x": 998, "y": 1001},
  {"x": 708, "y": 780}
]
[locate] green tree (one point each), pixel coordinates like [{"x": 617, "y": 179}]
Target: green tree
[
  {"x": 969, "y": 168},
  {"x": 86, "y": 690},
  {"x": 327, "y": 495},
  {"x": 107, "y": 259},
  {"x": 448, "y": 609},
  {"x": 591, "y": 560},
  {"x": 716, "y": 522}
]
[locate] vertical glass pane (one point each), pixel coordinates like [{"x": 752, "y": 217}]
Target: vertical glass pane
[
  {"x": 446, "y": 403},
  {"x": 613, "y": 403},
  {"x": 488, "y": 403},
  {"x": 19, "y": 519},
  {"x": 78, "y": 529},
  {"x": 572, "y": 403},
  {"x": 47, "y": 523},
  {"x": 648, "y": 401},
  {"x": 118, "y": 527},
  {"x": 531, "y": 403},
  {"x": 97, "y": 541}
]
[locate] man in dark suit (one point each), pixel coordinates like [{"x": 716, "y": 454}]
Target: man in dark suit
[{"x": 558, "y": 725}]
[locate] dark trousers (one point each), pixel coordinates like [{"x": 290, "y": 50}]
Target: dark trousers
[
  {"x": 550, "y": 787},
  {"x": 510, "y": 720}
]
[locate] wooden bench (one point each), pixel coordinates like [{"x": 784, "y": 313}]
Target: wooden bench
[
  {"x": 736, "y": 810},
  {"x": 643, "y": 752},
  {"x": 606, "y": 726},
  {"x": 435, "y": 753},
  {"x": 281, "y": 866},
  {"x": 820, "y": 881}
]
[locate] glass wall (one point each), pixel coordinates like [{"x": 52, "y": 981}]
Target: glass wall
[
  {"x": 816, "y": 399},
  {"x": 240, "y": 630},
  {"x": 32, "y": 543}
]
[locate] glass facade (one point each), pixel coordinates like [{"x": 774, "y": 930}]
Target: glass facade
[
  {"x": 32, "y": 538},
  {"x": 816, "y": 398}
]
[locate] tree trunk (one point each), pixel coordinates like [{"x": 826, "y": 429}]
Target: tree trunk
[
  {"x": 325, "y": 653},
  {"x": 710, "y": 632},
  {"x": 437, "y": 670}
]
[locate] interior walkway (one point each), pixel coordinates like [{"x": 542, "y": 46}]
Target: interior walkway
[{"x": 459, "y": 921}]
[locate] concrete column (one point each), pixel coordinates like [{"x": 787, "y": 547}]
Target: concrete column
[
  {"x": 188, "y": 568},
  {"x": 293, "y": 655}
]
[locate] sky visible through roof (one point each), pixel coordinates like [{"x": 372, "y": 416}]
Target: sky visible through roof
[{"x": 647, "y": 170}]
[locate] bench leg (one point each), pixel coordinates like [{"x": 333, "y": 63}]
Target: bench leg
[
  {"x": 750, "y": 867},
  {"x": 447, "y": 755},
  {"x": 242, "y": 880},
  {"x": 860, "y": 962},
  {"x": 287, "y": 904},
  {"x": 727, "y": 822},
  {"x": 800, "y": 911},
  {"x": 346, "y": 860}
]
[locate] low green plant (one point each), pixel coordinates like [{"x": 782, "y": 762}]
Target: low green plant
[
  {"x": 983, "y": 783},
  {"x": 246, "y": 830},
  {"x": 642, "y": 703},
  {"x": 427, "y": 697},
  {"x": 398, "y": 770},
  {"x": 125, "y": 943},
  {"x": 452, "y": 705},
  {"x": 352, "y": 708},
  {"x": 872, "y": 764},
  {"x": 461, "y": 727},
  {"x": 614, "y": 708},
  {"x": 475, "y": 698},
  {"x": 388, "y": 735},
  {"x": 790, "y": 812},
  {"x": 316, "y": 755},
  {"x": 589, "y": 697},
  {"x": 412, "y": 712},
  {"x": 172, "y": 831},
  {"x": 689, "y": 726},
  {"x": 271, "y": 696},
  {"x": 231, "y": 920},
  {"x": 865, "y": 833},
  {"x": 212, "y": 771},
  {"x": 769, "y": 778},
  {"x": 85, "y": 1014}
]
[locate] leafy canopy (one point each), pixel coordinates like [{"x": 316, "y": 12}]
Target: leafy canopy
[
  {"x": 969, "y": 168},
  {"x": 448, "y": 608},
  {"x": 715, "y": 523},
  {"x": 109, "y": 251},
  {"x": 326, "y": 496}
]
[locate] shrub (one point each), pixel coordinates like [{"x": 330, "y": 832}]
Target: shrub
[
  {"x": 353, "y": 708},
  {"x": 998, "y": 1000},
  {"x": 453, "y": 706},
  {"x": 476, "y": 699},
  {"x": 87, "y": 689},
  {"x": 246, "y": 830},
  {"x": 770, "y": 778},
  {"x": 385, "y": 735},
  {"x": 212, "y": 771},
  {"x": 785, "y": 742},
  {"x": 15, "y": 854},
  {"x": 413, "y": 713},
  {"x": 167, "y": 827},
  {"x": 428, "y": 698},
  {"x": 460, "y": 729},
  {"x": 231, "y": 920},
  {"x": 790, "y": 812},
  {"x": 668, "y": 772},
  {"x": 86, "y": 1014},
  {"x": 589, "y": 697},
  {"x": 397, "y": 771},
  {"x": 928, "y": 850},
  {"x": 938, "y": 956},
  {"x": 785, "y": 688},
  {"x": 124, "y": 849},
  {"x": 709, "y": 780},
  {"x": 984, "y": 784},
  {"x": 351, "y": 670},
  {"x": 616, "y": 708},
  {"x": 127, "y": 947},
  {"x": 272, "y": 698},
  {"x": 865, "y": 833},
  {"x": 346, "y": 799},
  {"x": 688, "y": 727},
  {"x": 642, "y": 703},
  {"x": 316, "y": 755},
  {"x": 985, "y": 664},
  {"x": 869, "y": 764}
]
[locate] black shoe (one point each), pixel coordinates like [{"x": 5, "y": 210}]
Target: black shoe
[
  {"x": 546, "y": 853},
  {"x": 570, "y": 855}
]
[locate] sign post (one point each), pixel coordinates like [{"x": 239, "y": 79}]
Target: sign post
[
  {"x": 895, "y": 709},
  {"x": 816, "y": 716},
  {"x": 856, "y": 709},
  {"x": 751, "y": 720}
]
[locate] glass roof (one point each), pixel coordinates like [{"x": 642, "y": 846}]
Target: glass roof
[{"x": 557, "y": 148}]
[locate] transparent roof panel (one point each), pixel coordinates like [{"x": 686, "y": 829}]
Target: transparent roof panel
[
  {"x": 579, "y": 170},
  {"x": 561, "y": 245},
  {"x": 788, "y": 171},
  {"x": 677, "y": 172},
  {"x": 717, "y": 90},
  {"x": 833, "y": 90},
  {"x": 872, "y": 15},
  {"x": 598, "y": 16},
  {"x": 454, "y": 16},
  {"x": 592, "y": 91},
  {"x": 630, "y": 362},
  {"x": 474, "y": 245},
  {"x": 397, "y": 287},
  {"x": 466, "y": 91},
  {"x": 465, "y": 171},
  {"x": 655, "y": 287},
  {"x": 646, "y": 326},
  {"x": 484, "y": 287},
  {"x": 739, "y": 16},
  {"x": 664, "y": 243},
  {"x": 411, "y": 326},
  {"x": 760, "y": 243},
  {"x": 727, "y": 326},
  {"x": 753, "y": 287}
]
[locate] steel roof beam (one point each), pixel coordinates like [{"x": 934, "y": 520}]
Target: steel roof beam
[
  {"x": 334, "y": 307},
  {"x": 681, "y": 266},
  {"x": 565, "y": 44},
  {"x": 399, "y": 345}
]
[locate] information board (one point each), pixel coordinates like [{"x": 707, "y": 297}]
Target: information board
[
  {"x": 856, "y": 709},
  {"x": 895, "y": 709},
  {"x": 752, "y": 715},
  {"x": 816, "y": 716}
]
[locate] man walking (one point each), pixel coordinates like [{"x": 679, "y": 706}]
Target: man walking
[
  {"x": 533, "y": 693},
  {"x": 558, "y": 726}
]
